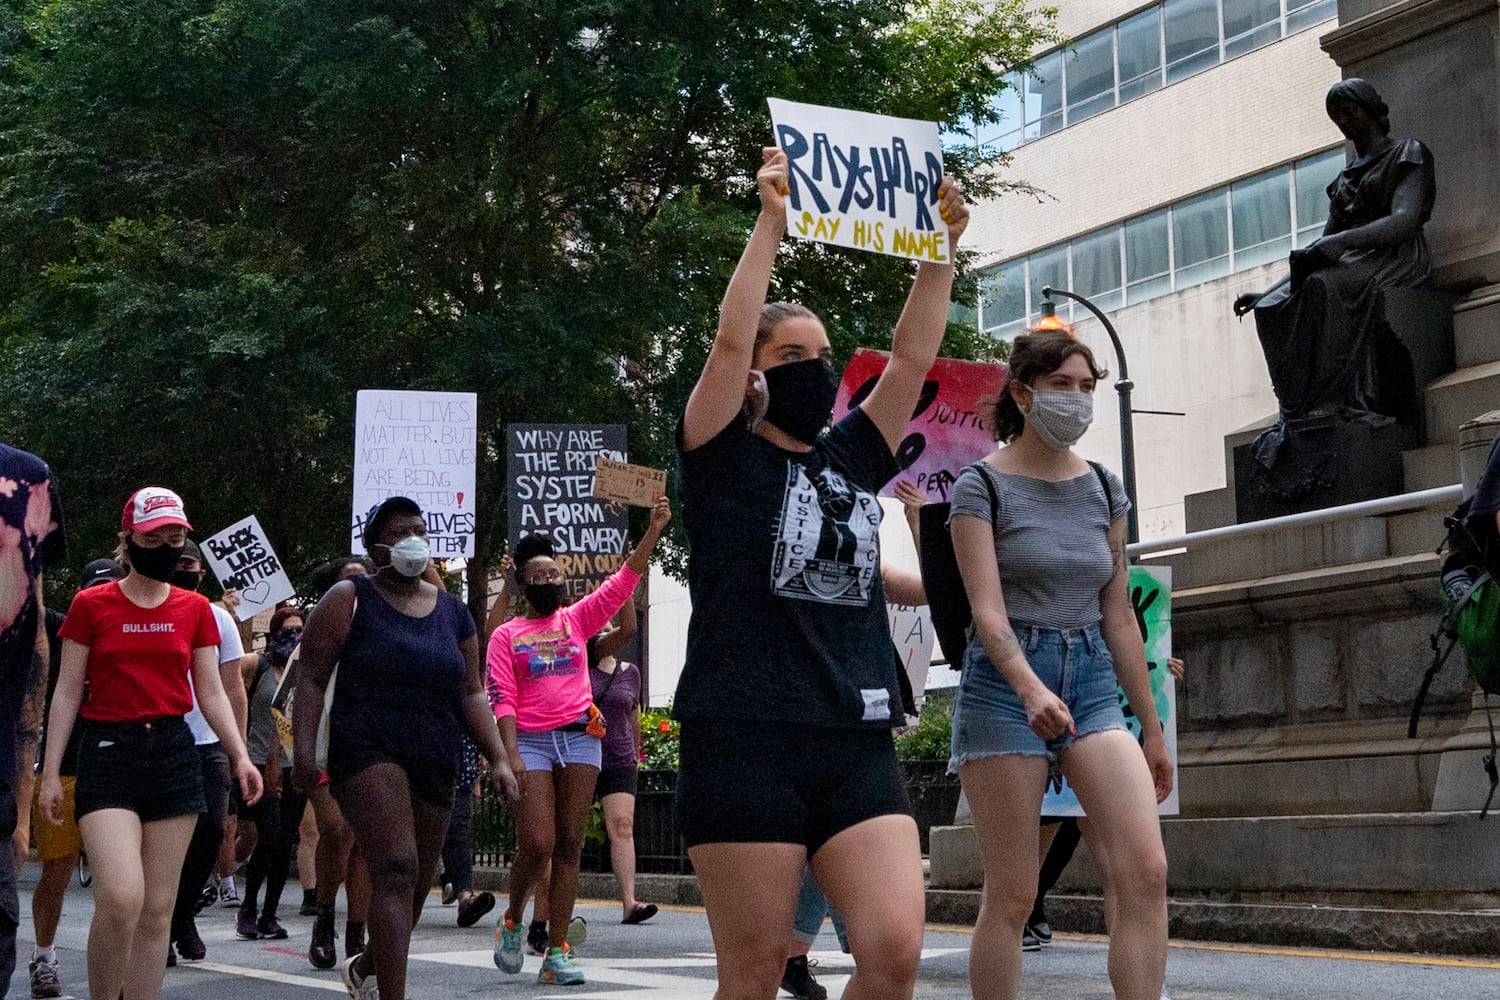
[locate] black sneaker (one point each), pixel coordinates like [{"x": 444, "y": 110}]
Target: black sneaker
[
  {"x": 471, "y": 908},
  {"x": 1041, "y": 930},
  {"x": 45, "y": 981},
  {"x": 190, "y": 946},
  {"x": 171, "y": 963},
  {"x": 536, "y": 938},
  {"x": 1029, "y": 941},
  {"x": 799, "y": 982}
]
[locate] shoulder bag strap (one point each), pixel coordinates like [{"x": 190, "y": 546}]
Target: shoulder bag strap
[{"x": 1104, "y": 484}]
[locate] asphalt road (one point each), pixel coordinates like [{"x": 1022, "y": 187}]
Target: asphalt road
[{"x": 671, "y": 958}]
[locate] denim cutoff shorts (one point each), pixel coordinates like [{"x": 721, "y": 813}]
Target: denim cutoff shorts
[
  {"x": 554, "y": 748},
  {"x": 989, "y": 719}
]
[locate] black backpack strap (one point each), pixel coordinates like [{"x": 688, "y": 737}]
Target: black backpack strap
[
  {"x": 1489, "y": 760},
  {"x": 1104, "y": 484},
  {"x": 1439, "y": 657}
]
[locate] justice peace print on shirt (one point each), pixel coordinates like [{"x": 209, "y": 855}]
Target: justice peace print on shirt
[{"x": 827, "y": 539}]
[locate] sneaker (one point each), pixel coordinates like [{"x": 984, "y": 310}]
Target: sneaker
[
  {"x": 171, "y": 959},
  {"x": 558, "y": 969},
  {"x": 210, "y": 894},
  {"x": 245, "y": 925},
  {"x": 508, "y": 943},
  {"x": 536, "y": 938},
  {"x": 474, "y": 907},
  {"x": 1029, "y": 941},
  {"x": 190, "y": 946},
  {"x": 1041, "y": 930},
  {"x": 45, "y": 981},
  {"x": 450, "y": 894},
  {"x": 359, "y": 989},
  {"x": 228, "y": 894},
  {"x": 578, "y": 932},
  {"x": 270, "y": 929},
  {"x": 309, "y": 907},
  {"x": 799, "y": 982}
]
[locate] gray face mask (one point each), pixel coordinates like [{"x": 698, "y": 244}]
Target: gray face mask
[{"x": 1060, "y": 417}]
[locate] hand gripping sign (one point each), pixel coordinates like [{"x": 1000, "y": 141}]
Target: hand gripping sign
[{"x": 863, "y": 181}]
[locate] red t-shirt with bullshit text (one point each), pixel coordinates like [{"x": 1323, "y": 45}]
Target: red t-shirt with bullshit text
[{"x": 139, "y": 658}]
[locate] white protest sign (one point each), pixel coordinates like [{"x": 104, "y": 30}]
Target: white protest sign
[
  {"x": 242, "y": 559},
  {"x": 420, "y": 445},
  {"x": 863, "y": 181},
  {"x": 911, "y": 631}
]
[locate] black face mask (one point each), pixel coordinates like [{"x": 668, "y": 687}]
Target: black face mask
[
  {"x": 279, "y": 648},
  {"x": 800, "y": 397},
  {"x": 159, "y": 563},
  {"x": 544, "y": 598},
  {"x": 186, "y": 579}
]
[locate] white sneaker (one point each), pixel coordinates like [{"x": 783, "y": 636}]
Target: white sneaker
[
  {"x": 363, "y": 989},
  {"x": 228, "y": 894}
]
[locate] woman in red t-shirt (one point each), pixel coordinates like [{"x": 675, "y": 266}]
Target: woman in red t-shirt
[{"x": 140, "y": 786}]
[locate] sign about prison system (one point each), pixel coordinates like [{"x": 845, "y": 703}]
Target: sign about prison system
[
  {"x": 242, "y": 559},
  {"x": 420, "y": 445},
  {"x": 861, "y": 180},
  {"x": 550, "y": 468}
]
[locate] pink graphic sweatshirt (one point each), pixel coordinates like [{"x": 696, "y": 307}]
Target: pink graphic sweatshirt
[{"x": 537, "y": 668}]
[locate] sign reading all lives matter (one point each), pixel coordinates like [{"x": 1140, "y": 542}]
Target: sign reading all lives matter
[
  {"x": 242, "y": 559},
  {"x": 863, "y": 181},
  {"x": 550, "y": 468},
  {"x": 420, "y": 445}
]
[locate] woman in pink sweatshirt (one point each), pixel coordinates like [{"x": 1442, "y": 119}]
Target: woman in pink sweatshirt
[{"x": 539, "y": 686}]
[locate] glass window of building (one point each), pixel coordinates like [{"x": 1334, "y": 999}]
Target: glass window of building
[
  {"x": 1044, "y": 96},
  {"x": 1005, "y": 134},
  {"x": 1200, "y": 238},
  {"x": 1148, "y": 258},
  {"x": 1002, "y": 297},
  {"x": 1249, "y": 24},
  {"x": 1262, "y": 213},
  {"x": 1091, "y": 76},
  {"x": 1311, "y": 179},
  {"x": 1097, "y": 268},
  {"x": 1306, "y": 13},
  {"x": 1140, "y": 54},
  {"x": 1192, "y": 36},
  {"x": 1048, "y": 268}
]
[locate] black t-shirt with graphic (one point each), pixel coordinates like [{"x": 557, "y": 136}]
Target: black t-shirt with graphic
[{"x": 789, "y": 618}]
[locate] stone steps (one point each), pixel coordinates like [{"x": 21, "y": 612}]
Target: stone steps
[{"x": 1459, "y": 397}]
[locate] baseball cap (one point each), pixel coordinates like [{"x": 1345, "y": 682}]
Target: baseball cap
[
  {"x": 151, "y": 508},
  {"x": 101, "y": 571}
]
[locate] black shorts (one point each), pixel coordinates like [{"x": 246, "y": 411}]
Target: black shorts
[
  {"x": 429, "y": 781},
  {"x": 783, "y": 783},
  {"x": 149, "y": 767},
  {"x": 615, "y": 780}
]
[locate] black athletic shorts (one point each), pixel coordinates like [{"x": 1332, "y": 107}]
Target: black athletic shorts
[
  {"x": 783, "y": 783},
  {"x": 614, "y": 780},
  {"x": 149, "y": 767}
]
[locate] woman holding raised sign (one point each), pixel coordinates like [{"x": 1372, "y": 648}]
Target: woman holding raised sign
[{"x": 789, "y": 691}]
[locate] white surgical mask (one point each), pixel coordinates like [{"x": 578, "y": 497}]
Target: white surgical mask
[
  {"x": 1060, "y": 417},
  {"x": 410, "y": 556}
]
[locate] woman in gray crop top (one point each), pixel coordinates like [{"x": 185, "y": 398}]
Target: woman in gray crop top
[{"x": 1040, "y": 540}]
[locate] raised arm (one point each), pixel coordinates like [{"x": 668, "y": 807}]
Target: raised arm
[
  {"x": 501, "y": 612},
  {"x": 720, "y": 392},
  {"x": 611, "y": 642},
  {"x": 919, "y": 331}
]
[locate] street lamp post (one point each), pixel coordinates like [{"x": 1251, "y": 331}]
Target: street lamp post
[{"x": 1124, "y": 387}]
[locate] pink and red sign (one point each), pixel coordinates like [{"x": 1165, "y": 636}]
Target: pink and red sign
[{"x": 950, "y": 426}]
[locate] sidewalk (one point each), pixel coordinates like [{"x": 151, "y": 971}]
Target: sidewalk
[{"x": 1307, "y": 925}]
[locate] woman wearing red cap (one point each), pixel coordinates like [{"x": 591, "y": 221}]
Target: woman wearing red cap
[{"x": 140, "y": 786}]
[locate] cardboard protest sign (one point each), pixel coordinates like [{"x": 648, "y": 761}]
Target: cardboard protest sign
[
  {"x": 620, "y": 482},
  {"x": 911, "y": 631},
  {"x": 241, "y": 558},
  {"x": 949, "y": 428},
  {"x": 863, "y": 181},
  {"x": 550, "y": 468},
  {"x": 420, "y": 445},
  {"x": 1151, "y": 596}
]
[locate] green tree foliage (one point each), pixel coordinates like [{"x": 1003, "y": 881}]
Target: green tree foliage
[{"x": 218, "y": 220}]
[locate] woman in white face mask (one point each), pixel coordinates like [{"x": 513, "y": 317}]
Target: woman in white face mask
[
  {"x": 1040, "y": 538},
  {"x": 409, "y": 684}
]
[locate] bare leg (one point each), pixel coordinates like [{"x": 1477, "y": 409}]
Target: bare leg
[
  {"x": 534, "y": 839},
  {"x": 541, "y": 910},
  {"x": 574, "y": 793},
  {"x": 750, "y": 892},
  {"x": 388, "y": 822},
  {"x": 619, "y": 823},
  {"x": 47, "y": 898},
  {"x": 1109, "y": 773},
  {"x": 1005, "y": 795},
  {"x": 112, "y": 839},
  {"x": 164, "y": 844},
  {"x": 873, "y": 873}
]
